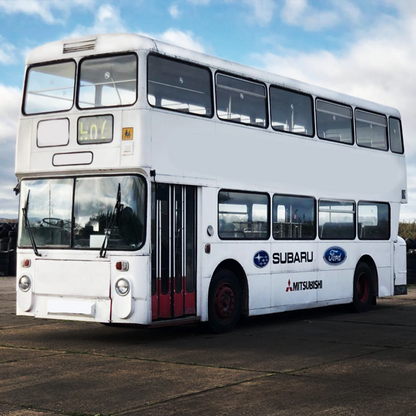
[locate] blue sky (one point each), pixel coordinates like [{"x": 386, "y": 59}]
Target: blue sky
[{"x": 360, "y": 47}]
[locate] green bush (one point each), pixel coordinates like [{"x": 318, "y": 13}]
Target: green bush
[{"x": 407, "y": 230}]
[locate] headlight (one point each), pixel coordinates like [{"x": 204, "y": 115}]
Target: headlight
[
  {"x": 25, "y": 283},
  {"x": 122, "y": 287}
]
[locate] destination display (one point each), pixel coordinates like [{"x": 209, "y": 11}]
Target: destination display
[{"x": 95, "y": 129}]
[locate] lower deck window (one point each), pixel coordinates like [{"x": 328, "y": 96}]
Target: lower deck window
[
  {"x": 336, "y": 220},
  {"x": 243, "y": 215},
  {"x": 293, "y": 218},
  {"x": 373, "y": 221}
]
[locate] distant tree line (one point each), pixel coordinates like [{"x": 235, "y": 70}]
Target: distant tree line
[{"x": 407, "y": 230}]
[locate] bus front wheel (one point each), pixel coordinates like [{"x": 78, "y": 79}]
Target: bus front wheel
[
  {"x": 224, "y": 302},
  {"x": 363, "y": 288}
]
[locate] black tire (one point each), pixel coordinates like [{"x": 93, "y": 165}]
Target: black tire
[
  {"x": 224, "y": 302},
  {"x": 4, "y": 229},
  {"x": 363, "y": 288},
  {"x": 4, "y": 255},
  {"x": 12, "y": 245},
  {"x": 410, "y": 244},
  {"x": 12, "y": 263}
]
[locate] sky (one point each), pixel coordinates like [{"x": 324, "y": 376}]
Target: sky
[{"x": 364, "y": 48}]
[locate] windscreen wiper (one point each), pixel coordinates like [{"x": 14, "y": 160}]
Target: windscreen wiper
[
  {"x": 113, "y": 217},
  {"x": 28, "y": 226}
]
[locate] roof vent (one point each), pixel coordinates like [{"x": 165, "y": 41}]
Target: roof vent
[{"x": 84, "y": 45}]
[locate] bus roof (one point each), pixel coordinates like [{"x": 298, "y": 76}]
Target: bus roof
[{"x": 113, "y": 43}]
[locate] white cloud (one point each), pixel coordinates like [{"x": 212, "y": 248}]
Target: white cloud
[
  {"x": 178, "y": 37},
  {"x": 174, "y": 11},
  {"x": 263, "y": 10},
  {"x": 106, "y": 20},
  {"x": 199, "y": 2},
  {"x": 7, "y": 52},
  {"x": 302, "y": 14},
  {"x": 9, "y": 110},
  {"x": 45, "y": 10}
]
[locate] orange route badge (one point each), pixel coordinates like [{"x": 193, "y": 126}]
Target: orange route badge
[{"x": 127, "y": 133}]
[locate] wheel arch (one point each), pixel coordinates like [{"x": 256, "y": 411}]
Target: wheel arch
[
  {"x": 235, "y": 267},
  {"x": 371, "y": 263}
]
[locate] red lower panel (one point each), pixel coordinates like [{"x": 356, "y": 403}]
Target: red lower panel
[
  {"x": 155, "y": 302},
  {"x": 165, "y": 304},
  {"x": 190, "y": 303},
  {"x": 178, "y": 305}
]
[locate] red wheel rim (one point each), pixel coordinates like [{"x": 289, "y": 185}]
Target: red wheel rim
[
  {"x": 363, "y": 288},
  {"x": 224, "y": 302}
]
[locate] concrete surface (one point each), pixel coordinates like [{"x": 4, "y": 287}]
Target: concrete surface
[{"x": 326, "y": 361}]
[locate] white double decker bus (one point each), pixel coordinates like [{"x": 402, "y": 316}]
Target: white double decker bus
[{"x": 159, "y": 185}]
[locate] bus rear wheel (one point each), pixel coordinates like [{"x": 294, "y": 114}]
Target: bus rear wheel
[
  {"x": 363, "y": 288},
  {"x": 224, "y": 302}
]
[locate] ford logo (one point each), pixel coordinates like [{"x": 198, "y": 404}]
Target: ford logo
[
  {"x": 335, "y": 256},
  {"x": 261, "y": 259}
]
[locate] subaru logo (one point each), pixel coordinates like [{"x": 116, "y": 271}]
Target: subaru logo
[
  {"x": 335, "y": 256},
  {"x": 261, "y": 259}
]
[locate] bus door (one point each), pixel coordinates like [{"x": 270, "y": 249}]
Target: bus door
[{"x": 173, "y": 251}]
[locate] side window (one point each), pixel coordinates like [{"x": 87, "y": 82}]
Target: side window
[
  {"x": 179, "y": 86},
  {"x": 373, "y": 221},
  {"x": 243, "y": 215},
  {"x": 371, "y": 130},
  {"x": 291, "y": 111},
  {"x": 334, "y": 122},
  {"x": 336, "y": 220},
  {"x": 396, "y": 137},
  {"x": 241, "y": 101},
  {"x": 293, "y": 218}
]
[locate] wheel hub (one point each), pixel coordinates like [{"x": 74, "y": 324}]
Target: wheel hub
[{"x": 224, "y": 302}]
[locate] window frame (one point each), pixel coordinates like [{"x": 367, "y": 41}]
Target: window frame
[
  {"x": 352, "y": 121},
  {"x": 354, "y": 214},
  {"x": 189, "y": 63},
  {"x": 389, "y": 220},
  {"x": 245, "y": 79},
  {"x": 274, "y": 86},
  {"x": 401, "y": 134},
  {"x": 57, "y": 145},
  {"x": 387, "y": 129},
  {"x": 60, "y": 61},
  {"x": 74, "y": 179},
  {"x": 100, "y": 56},
  {"x": 244, "y": 192},
  {"x": 315, "y": 219}
]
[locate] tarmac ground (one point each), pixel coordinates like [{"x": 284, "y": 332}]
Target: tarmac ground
[{"x": 326, "y": 361}]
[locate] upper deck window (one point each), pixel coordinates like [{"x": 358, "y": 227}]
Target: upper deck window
[
  {"x": 334, "y": 122},
  {"x": 49, "y": 88},
  {"x": 241, "y": 101},
  {"x": 108, "y": 81},
  {"x": 371, "y": 130},
  {"x": 291, "y": 111},
  {"x": 396, "y": 137},
  {"x": 179, "y": 86}
]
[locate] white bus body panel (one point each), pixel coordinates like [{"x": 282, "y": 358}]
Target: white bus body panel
[{"x": 84, "y": 288}]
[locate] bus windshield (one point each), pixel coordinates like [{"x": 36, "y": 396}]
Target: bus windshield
[{"x": 79, "y": 213}]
